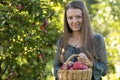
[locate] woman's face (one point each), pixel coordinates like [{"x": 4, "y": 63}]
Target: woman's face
[{"x": 74, "y": 19}]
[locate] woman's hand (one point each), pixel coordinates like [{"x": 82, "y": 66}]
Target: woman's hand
[
  {"x": 70, "y": 62},
  {"x": 84, "y": 59}
]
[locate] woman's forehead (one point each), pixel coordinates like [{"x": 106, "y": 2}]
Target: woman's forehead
[{"x": 72, "y": 11}]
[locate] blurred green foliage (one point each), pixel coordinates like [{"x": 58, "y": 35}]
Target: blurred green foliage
[
  {"x": 28, "y": 33},
  {"x": 29, "y": 30}
]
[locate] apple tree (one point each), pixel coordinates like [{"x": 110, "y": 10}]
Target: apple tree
[{"x": 28, "y": 33}]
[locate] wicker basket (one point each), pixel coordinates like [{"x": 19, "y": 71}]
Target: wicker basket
[{"x": 74, "y": 74}]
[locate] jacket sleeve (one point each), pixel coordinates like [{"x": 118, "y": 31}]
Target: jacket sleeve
[
  {"x": 57, "y": 63},
  {"x": 100, "y": 67}
]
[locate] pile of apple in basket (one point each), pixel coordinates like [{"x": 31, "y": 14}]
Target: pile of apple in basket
[{"x": 74, "y": 70}]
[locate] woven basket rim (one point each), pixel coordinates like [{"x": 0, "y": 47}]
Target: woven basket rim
[{"x": 77, "y": 70}]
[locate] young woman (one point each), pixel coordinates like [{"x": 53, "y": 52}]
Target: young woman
[{"x": 78, "y": 38}]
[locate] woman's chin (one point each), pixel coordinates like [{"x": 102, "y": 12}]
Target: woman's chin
[{"x": 76, "y": 30}]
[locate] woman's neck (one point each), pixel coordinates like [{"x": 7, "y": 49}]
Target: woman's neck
[
  {"x": 76, "y": 35},
  {"x": 75, "y": 39}
]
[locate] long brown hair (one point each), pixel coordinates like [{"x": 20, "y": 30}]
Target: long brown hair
[{"x": 88, "y": 39}]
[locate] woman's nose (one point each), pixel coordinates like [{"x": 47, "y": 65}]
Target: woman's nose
[{"x": 74, "y": 20}]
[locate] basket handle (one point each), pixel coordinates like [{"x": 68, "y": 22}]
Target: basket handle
[{"x": 72, "y": 56}]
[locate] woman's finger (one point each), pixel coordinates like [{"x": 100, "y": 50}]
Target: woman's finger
[{"x": 83, "y": 56}]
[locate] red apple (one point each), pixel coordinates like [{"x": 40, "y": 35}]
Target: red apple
[
  {"x": 71, "y": 68},
  {"x": 41, "y": 56},
  {"x": 42, "y": 27},
  {"x": 19, "y": 7},
  {"x": 70, "y": 64},
  {"x": 46, "y": 22},
  {"x": 63, "y": 66},
  {"x": 83, "y": 67},
  {"x": 77, "y": 65}
]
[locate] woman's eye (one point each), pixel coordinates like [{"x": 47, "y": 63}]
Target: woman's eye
[
  {"x": 79, "y": 16},
  {"x": 69, "y": 17}
]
